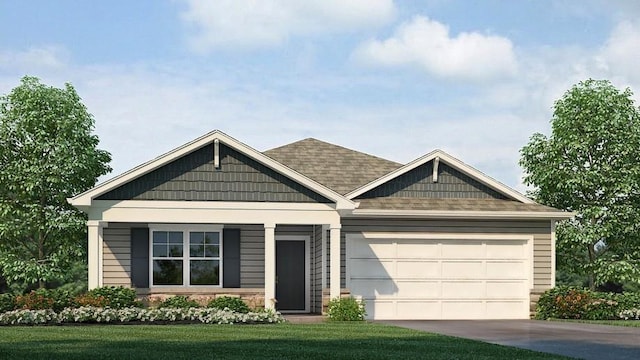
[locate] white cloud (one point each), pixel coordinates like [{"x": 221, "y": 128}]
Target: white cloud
[
  {"x": 262, "y": 23},
  {"x": 427, "y": 44},
  {"x": 38, "y": 57},
  {"x": 622, "y": 51}
]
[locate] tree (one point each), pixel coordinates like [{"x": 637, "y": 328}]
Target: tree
[
  {"x": 47, "y": 154},
  {"x": 590, "y": 165}
]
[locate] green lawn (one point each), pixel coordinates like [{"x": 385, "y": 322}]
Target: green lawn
[
  {"x": 629, "y": 323},
  {"x": 283, "y": 341}
]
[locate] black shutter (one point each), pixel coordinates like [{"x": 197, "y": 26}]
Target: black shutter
[
  {"x": 140, "y": 257},
  {"x": 231, "y": 258}
]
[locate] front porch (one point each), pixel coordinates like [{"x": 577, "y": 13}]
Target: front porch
[{"x": 286, "y": 261}]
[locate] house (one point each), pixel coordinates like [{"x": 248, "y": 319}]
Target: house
[{"x": 308, "y": 221}]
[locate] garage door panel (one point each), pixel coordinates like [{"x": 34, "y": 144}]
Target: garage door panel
[
  {"x": 418, "y": 310},
  {"x": 418, "y": 289},
  {"x": 422, "y": 249},
  {"x": 506, "y": 269},
  {"x": 505, "y": 249},
  {"x": 372, "y": 249},
  {"x": 463, "y": 289},
  {"x": 417, "y": 269},
  {"x": 504, "y": 289},
  {"x": 462, "y": 269},
  {"x": 380, "y": 309},
  {"x": 462, "y": 249},
  {"x": 373, "y": 288},
  {"x": 372, "y": 268},
  {"x": 463, "y": 309},
  {"x": 506, "y": 309}
]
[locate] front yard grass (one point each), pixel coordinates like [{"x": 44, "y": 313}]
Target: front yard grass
[{"x": 357, "y": 340}]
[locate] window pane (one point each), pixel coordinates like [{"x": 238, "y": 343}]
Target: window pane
[
  {"x": 196, "y": 238},
  {"x": 205, "y": 272},
  {"x": 212, "y": 251},
  {"x": 167, "y": 272},
  {"x": 175, "y": 250},
  {"x": 212, "y": 238},
  {"x": 196, "y": 250},
  {"x": 159, "y": 237},
  {"x": 175, "y": 237},
  {"x": 160, "y": 251}
]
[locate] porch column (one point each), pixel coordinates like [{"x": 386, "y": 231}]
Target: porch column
[
  {"x": 334, "y": 254},
  {"x": 269, "y": 266},
  {"x": 94, "y": 244}
]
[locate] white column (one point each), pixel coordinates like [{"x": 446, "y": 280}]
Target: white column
[
  {"x": 94, "y": 232},
  {"x": 334, "y": 271},
  {"x": 269, "y": 266},
  {"x": 553, "y": 254}
]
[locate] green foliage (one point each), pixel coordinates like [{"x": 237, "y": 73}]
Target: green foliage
[
  {"x": 117, "y": 297},
  {"x": 346, "y": 309},
  {"x": 42, "y": 299},
  {"x": 47, "y": 154},
  {"x": 564, "y": 302},
  {"x": 228, "y": 302},
  {"x": 178, "y": 302},
  {"x": 589, "y": 165},
  {"x": 7, "y": 302}
]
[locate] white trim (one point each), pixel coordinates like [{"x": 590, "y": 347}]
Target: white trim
[
  {"x": 307, "y": 269},
  {"x": 85, "y": 199},
  {"x": 436, "y": 163},
  {"x": 451, "y": 161},
  {"x": 269, "y": 266},
  {"x": 437, "y": 214},
  {"x": 334, "y": 261},
  {"x": 553, "y": 253},
  {"x": 216, "y": 153},
  {"x": 186, "y": 229}
]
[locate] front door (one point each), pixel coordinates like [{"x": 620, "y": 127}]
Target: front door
[{"x": 291, "y": 274}]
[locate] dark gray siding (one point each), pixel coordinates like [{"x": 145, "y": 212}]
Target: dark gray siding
[
  {"x": 194, "y": 177},
  {"x": 418, "y": 183}
]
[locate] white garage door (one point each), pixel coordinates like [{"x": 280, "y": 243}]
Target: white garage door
[{"x": 428, "y": 276}]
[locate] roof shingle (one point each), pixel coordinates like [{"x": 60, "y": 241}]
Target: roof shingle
[{"x": 338, "y": 168}]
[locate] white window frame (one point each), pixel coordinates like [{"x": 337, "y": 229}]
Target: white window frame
[{"x": 186, "y": 229}]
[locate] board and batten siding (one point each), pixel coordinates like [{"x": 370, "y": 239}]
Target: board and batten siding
[{"x": 541, "y": 231}]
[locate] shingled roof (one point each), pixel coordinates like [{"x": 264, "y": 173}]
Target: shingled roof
[
  {"x": 338, "y": 168},
  {"x": 400, "y": 203}
]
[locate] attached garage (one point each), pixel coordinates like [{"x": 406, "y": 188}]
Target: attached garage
[{"x": 441, "y": 276}]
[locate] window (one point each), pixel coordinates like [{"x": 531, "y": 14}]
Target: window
[{"x": 186, "y": 257}]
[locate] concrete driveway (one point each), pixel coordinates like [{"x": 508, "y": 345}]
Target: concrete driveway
[{"x": 585, "y": 341}]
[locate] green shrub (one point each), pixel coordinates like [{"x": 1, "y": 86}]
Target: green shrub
[
  {"x": 116, "y": 297},
  {"x": 574, "y": 303},
  {"x": 228, "y": 302},
  {"x": 7, "y": 302},
  {"x": 346, "y": 309},
  {"x": 42, "y": 299},
  {"x": 178, "y": 302}
]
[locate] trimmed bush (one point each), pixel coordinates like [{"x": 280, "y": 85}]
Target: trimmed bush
[
  {"x": 228, "y": 302},
  {"x": 90, "y": 300},
  {"x": 179, "y": 302},
  {"x": 7, "y": 302},
  {"x": 116, "y": 297},
  {"x": 346, "y": 309},
  {"x": 573, "y": 303},
  {"x": 43, "y": 299}
]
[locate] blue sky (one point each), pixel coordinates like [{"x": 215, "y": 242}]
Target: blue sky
[{"x": 396, "y": 79}]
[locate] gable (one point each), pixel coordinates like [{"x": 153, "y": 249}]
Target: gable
[
  {"x": 194, "y": 177},
  {"x": 418, "y": 183}
]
